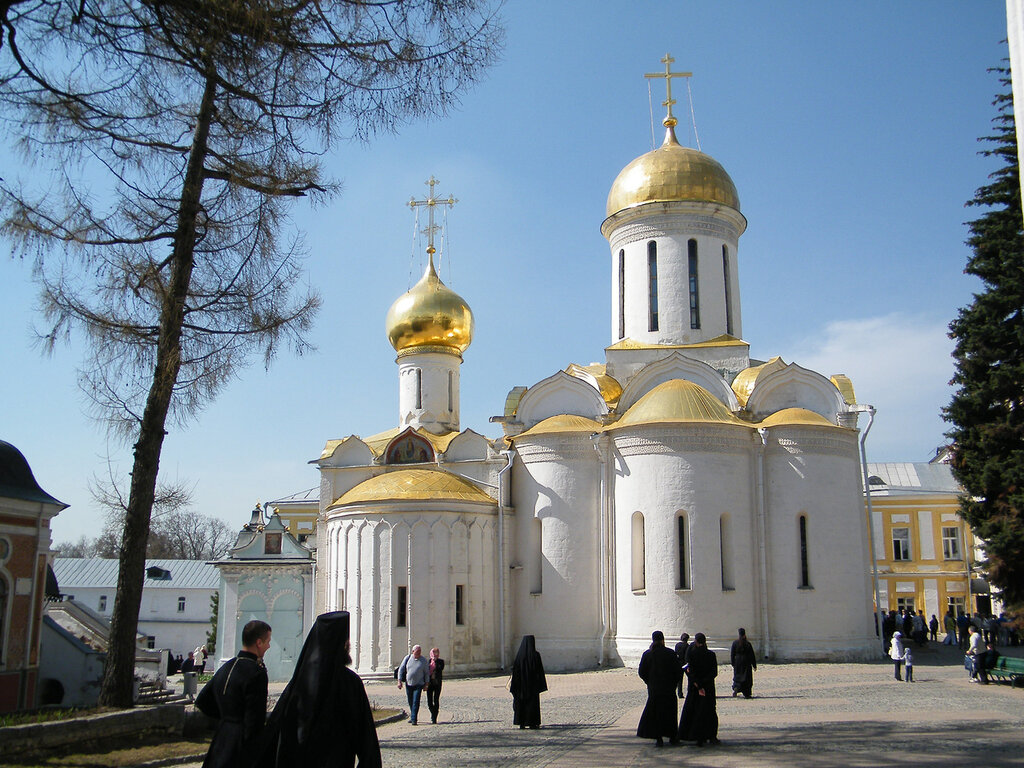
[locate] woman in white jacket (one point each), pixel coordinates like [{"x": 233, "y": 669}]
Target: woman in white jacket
[{"x": 896, "y": 654}]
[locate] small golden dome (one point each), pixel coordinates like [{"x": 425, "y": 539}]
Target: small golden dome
[
  {"x": 789, "y": 417},
  {"x": 672, "y": 173},
  {"x": 677, "y": 400},
  {"x": 430, "y": 314},
  {"x": 413, "y": 485},
  {"x": 565, "y": 422}
]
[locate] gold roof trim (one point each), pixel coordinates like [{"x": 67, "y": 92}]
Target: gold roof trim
[
  {"x": 746, "y": 379},
  {"x": 378, "y": 443},
  {"x": 845, "y": 387},
  {"x": 725, "y": 340},
  {"x": 609, "y": 386},
  {"x": 796, "y": 416},
  {"x": 677, "y": 400},
  {"x": 565, "y": 422},
  {"x": 413, "y": 485}
]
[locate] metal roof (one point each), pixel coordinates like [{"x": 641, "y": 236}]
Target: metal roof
[
  {"x": 919, "y": 477},
  {"x": 85, "y": 572}
]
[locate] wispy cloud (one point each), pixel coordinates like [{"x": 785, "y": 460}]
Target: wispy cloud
[{"x": 901, "y": 364}]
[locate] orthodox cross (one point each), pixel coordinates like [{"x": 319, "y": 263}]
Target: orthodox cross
[
  {"x": 668, "y": 74},
  {"x": 431, "y": 202}
]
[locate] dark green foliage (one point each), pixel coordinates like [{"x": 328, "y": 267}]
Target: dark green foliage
[
  {"x": 211, "y": 633},
  {"x": 987, "y": 409}
]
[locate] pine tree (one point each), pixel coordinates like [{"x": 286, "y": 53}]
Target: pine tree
[{"x": 987, "y": 409}]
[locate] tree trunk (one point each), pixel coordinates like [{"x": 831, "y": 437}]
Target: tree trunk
[{"x": 120, "y": 667}]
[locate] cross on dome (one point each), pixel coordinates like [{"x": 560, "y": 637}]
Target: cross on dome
[
  {"x": 431, "y": 202},
  {"x": 668, "y": 74}
]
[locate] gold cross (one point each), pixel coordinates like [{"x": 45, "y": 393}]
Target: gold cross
[
  {"x": 668, "y": 74},
  {"x": 431, "y": 202}
]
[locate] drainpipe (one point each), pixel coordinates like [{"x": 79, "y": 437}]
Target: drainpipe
[
  {"x": 596, "y": 439},
  {"x": 870, "y": 411},
  {"x": 509, "y": 455},
  {"x": 762, "y": 550}
]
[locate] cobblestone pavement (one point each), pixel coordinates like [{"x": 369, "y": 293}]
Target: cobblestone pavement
[{"x": 803, "y": 715}]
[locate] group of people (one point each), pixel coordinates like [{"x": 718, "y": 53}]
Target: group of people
[
  {"x": 418, "y": 674},
  {"x": 665, "y": 671},
  {"x": 196, "y": 662},
  {"x": 323, "y": 717}
]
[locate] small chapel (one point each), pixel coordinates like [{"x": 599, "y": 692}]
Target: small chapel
[{"x": 681, "y": 485}]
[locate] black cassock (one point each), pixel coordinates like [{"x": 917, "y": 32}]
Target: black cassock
[
  {"x": 323, "y": 718},
  {"x": 528, "y": 682},
  {"x": 236, "y": 696},
  {"x": 743, "y": 665},
  {"x": 660, "y": 669},
  {"x": 699, "y": 720}
]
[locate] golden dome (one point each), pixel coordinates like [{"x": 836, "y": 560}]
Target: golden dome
[
  {"x": 672, "y": 173},
  {"x": 413, "y": 485},
  {"x": 796, "y": 417},
  {"x": 430, "y": 314},
  {"x": 677, "y": 400},
  {"x": 565, "y": 422},
  {"x": 743, "y": 384}
]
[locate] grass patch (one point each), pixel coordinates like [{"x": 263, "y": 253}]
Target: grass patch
[
  {"x": 48, "y": 715},
  {"x": 123, "y": 754}
]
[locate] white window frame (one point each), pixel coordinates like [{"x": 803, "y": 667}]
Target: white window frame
[{"x": 901, "y": 553}]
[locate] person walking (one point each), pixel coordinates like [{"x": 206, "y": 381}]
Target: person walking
[
  {"x": 896, "y": 654},
  {"x": 236, "y": 696},
  {"x": 949, "y": 624},
  {"x": 323, "y": 719},
  {"x": 743, "y": 665},
  {"x": 661, "y": 671},
  {"x": 435, "y": 672},
  {"x": 933, "y": 628},
  {"x": 527, "y": 684},
  {"x": 699, "y": 720},
  {"x": 413, "y": 674}
]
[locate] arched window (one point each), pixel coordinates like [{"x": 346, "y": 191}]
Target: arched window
[
  {"x": 652, "y": 286},
  {"x": 451, "y": 391},
  {"x": 3, "y": 616},
  {"x": 622, "y": 294},
  {"x": 639, "y": 580},
  {"x": 419, "y": 388},
  {"x": 683, "y": 551},
  {"x": 537, "y": 550},
  {"x": 694, "y": 298},
  {"x": 181, "y": 605},
  {"x": 409, "y": 449},
  {"x": 728, "y": 289},
  {"x": 725, "y": 546},
  {"x": 805, "y": 572}
]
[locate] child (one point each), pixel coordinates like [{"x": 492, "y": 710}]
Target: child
[{"x": 908, "y": 665}]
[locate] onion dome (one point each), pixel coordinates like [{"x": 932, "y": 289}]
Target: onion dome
[
  {"x": 677, "y": 400},
  {"x": 430, "y": 314},
  {"x": 672, "y": 173}
]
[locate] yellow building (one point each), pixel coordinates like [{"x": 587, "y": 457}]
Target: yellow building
[
  {"x": 927, "y": 556},
  {"x": 299, "y": 513}
]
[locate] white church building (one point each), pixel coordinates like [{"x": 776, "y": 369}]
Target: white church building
[{"x": 682, "y": 485}]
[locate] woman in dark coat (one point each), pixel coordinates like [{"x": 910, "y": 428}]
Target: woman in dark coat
[
  {"x": 699, "y": 721},
  {"x": 743, "y": 665},
  {"x": 323, "y": 718},
  {"x": 435, "y": 675},
  {"x": 528, "y": 683},
  {"x": 660, "y": 670}
]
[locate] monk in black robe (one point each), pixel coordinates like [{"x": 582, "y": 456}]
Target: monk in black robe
[
  {"x": 323, "y": 718},
  {"x": 699, "y": 721},
  {"x": 741, "y": 655},
  {"x": 661, "y": 671},
  {"x": 236, "y": 697},
  {"x": 528, "y": 682}
]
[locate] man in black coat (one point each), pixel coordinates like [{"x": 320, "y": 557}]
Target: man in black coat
[
  {"x": 237, "y": 697},
  {"x": 661, "y": 671},
  {"x": 699, "y": 720}
]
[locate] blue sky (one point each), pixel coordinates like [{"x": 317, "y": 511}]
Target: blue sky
[{"x": 849, "y": 129}]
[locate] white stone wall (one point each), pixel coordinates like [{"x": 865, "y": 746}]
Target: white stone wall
[
  {"x": 428, "y": 391},
  {"x": 555, "y": 583},
  {"x": 703, "y": 472}
]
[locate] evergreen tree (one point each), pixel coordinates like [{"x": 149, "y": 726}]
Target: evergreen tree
[{"x": 987, "y": 409}]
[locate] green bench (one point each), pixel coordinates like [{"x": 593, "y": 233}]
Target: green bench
[{"x": 1008, "y": 667}]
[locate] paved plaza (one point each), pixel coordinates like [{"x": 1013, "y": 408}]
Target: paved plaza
[{"x": 801, "y": 715}]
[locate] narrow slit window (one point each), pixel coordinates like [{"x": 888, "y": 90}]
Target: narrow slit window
[
  {"x": 728, "y": 289},
  {"x": 451, "y": 389},
  {"x": 622, "y": 294},
  {"x": 724, "y": 544},
  {"x": 639, "y": 580},
  {"x": 652, "y": 286},
  {"x": 682, "y": 553},
  {"x": 401, "y": 610},
  {"x": 460, "y": 596},
  {"x": 805, "y": 573},
  {"x": 537, "y": 548},
  {"x": 694, "y": 297},
  {"x": 419, "y": 388}
]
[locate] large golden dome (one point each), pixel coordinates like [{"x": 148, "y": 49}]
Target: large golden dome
[
  {"x": 672, "y": 173},
  {"x": 430, "y": 314}
]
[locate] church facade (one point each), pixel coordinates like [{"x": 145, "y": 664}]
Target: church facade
[{"x": 681, "y": 485}]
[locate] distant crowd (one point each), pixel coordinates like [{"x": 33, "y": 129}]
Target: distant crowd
[
  {"x": 914, "y": 627},
  {"x": 196, "y": 662}
]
